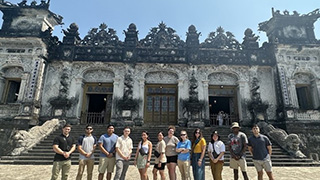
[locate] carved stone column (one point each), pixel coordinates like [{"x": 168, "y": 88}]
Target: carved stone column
[
  {"x": 315, "y": 86},
  {"x": 76, "y": 89},
  {"x": 23, "y": 85},
  {"x": 205, "y": 93},
  {"x": 2, "y": 86},
  {"x": 180, "y": 96},
  {"x": 117, "y": 93},
  {"x": 141, "y": 96},
  {"x": 293, "y": 94},
  {"x": 243, "y": 95}
]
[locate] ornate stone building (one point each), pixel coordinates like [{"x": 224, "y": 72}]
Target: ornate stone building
[{"x": 159, "y": 79}]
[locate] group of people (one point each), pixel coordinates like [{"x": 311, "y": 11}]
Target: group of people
[{"x": 169, "y": 151}]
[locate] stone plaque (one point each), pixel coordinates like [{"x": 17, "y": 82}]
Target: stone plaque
[
  {"x": 58, "y": 112},
  {"x": 126, "y": 113}
]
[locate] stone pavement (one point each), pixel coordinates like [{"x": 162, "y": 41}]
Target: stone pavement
[{"x": 43, "y": 172}]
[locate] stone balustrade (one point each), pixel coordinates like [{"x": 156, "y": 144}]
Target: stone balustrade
[
  {"x": 9, "y": 110},
  {"x": 308, "y": 115}
]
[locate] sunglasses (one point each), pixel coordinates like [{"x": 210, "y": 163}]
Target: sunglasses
[
  {"x": 197, "y": 132},
  {"x": 182, "y": 134},
  {"x": 88, "y": 128}
]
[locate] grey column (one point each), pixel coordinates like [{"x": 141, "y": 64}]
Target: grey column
[
  {"x": 315, "y": 86},
  {"x": 243, "y": 95},
  {"x": 181, "y": 95},
  {"x": 23, "y": 85},
  {"x": 141, "y": 96},
  {"x": 2, "y": 86},
  {"x": 76, "y": 90},
  {"x": 117, "y": 93},
  {"x": 293, "y": 94},
  {"x": 205, "y": 93}
]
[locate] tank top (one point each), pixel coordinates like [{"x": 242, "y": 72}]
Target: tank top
[{"x": 145, "y": 147}]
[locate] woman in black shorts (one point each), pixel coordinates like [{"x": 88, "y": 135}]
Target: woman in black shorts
[
  {"x": 172, "y": 156},
  {"x": 160, "y": 161}
]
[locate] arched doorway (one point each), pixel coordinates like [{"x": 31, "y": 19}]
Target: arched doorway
[
  {"x": 223, "y": 98},
  {"x": 160, "y": 98}
]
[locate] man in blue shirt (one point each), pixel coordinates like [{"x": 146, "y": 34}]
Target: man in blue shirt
[
  {"x": 260, "y": 148},
  {"x": 107, "y": 160}
]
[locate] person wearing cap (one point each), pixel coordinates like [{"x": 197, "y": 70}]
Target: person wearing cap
[
  {"x": 237, "y": 143},
  {"x": 216, "y": 150},
  {"x": 260, "y": 148}
]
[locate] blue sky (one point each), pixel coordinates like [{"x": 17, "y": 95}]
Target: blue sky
[{"x": 233, "y": 15}]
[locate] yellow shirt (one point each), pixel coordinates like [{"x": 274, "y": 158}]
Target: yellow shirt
[{"x": 198, "y": 147}]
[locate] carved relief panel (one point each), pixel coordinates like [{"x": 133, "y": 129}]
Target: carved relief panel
[{"x": 161, "y": 78}]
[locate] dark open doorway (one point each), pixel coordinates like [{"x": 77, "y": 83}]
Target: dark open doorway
[
  {"x": 219, "y": 110},
  {"x": 97, "y": 111},
  {"x": 218, "y": 104},
  {"x": 97, "y": 102}
]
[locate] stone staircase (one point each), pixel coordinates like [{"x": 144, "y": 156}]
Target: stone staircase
[{"x": 43, "y": 154}]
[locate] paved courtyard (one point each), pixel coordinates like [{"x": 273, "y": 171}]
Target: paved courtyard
[{"x": 43, "y": 172}]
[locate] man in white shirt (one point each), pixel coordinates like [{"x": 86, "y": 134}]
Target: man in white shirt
[
  {"x": 86, "y": 146},
  {"x": 124, "y": 147}
]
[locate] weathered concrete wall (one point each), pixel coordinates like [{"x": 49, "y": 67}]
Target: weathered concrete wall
[{"x": 80, "y": 73}]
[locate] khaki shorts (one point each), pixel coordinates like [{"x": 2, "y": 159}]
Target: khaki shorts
[
  {"x": 263, "y": 164},
  {"x": 106, "y": 164},
  {"x": 235, "y": 164}
]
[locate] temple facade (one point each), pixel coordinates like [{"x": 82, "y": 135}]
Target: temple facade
[{"x": 159, "y": 79}]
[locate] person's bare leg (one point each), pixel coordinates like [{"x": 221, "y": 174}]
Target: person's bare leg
[
  {"x": 260, "y": 175},
  {"x": 100, "y": 177},
  {"x": 270, "y": 175},
  {"x": 141, "y": 173},
  {"x": 172, "y": 171},
  {"x": 163, "y": 177},
  {"x": 109, "y": 176},
  {"x": 154, "y": 171}
]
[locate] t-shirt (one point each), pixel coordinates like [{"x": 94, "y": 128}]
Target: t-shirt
[
  {"x": 218, "y": 147},
  {"x": 108, "y": 143},
  {"x": 125, "y": 146},
  {"x": 171, "y": 144},
  {"x": 199, "y": 145},
  {"x": 161, "y": 148},
  {"x": 259, "y": 146},
  {"x": 65, "y": 144},
  {"x": 187, "y": 145},
  {"x": 87, "y": 143},
  {"x": 236, "y": 141}
]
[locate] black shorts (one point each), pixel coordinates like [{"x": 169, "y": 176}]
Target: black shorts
[
  {"x": 172, "y": 159},
  {"x": 160, "y": 168}
]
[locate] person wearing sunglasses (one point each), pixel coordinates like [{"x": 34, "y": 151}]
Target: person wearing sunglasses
[
  {"x": 86, "y": 146},
  {"x": 183, "y": 149},
  {"x": 198, "y": 152}
]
